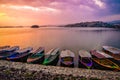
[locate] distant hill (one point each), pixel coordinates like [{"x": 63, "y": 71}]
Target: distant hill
[
  {"x": 91, "y": 24},
  {"x": 115, "y": 22},
  {"x": 11, "y": 26}
]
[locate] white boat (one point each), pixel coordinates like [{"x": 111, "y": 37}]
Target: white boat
[
  {"x": 108, "y": 57},
  {"x": 85, "y": 59},
  {"x": 101, "y": 62},
  {"x": 67, "y": 58},
  {"x": 114, "y": 52},
  {"x": 104, "y": 54}
]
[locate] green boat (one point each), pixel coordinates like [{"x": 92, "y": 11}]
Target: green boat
[{"x": 52, "y": 57}]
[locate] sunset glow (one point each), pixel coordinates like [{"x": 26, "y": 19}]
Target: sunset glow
[{"x": 45, "y": 12}]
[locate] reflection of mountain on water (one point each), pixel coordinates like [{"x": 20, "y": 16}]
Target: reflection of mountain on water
[
  {"x": 98, "y": 30},
  {"x": 93, "y": 29}
]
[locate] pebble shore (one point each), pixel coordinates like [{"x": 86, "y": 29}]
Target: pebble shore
[{"x": 23, "y": 71}]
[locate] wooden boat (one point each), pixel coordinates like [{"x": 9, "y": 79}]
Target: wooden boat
[
  {"x": 52, "y": 57},
  {"x": 85, "y": 59},
  {"x": 109, "y": 57},
  {"x": 5, "y": 55},
  {"x": 101, "y": 62},
  {"x": 2, "y": 47},
  {"x": 20, "y": 55},
  {"x": 67, "y": 58},
  {"x": 114, "y": 52},
  {"x": 9, "y": 49},
  {"x": 37, "y": 57}
]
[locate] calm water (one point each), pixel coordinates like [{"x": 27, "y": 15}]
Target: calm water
[{"x": 64, "y": 38}]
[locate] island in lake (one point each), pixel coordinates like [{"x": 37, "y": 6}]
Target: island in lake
[{"x": 34, "y": 26}]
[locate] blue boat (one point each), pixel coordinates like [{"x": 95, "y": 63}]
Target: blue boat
[
  {"x": 9, "y": 49},
  {"x": 20, "y": 55}
]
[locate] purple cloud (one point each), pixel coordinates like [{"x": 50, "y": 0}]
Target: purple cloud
[{"x": 62, "y": 11}]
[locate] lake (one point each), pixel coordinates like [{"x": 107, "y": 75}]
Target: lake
[{"x": 63, "y": 38}]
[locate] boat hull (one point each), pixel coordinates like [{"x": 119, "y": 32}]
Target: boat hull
[
  {"x": 4, "y": 57},
  {"x": 69, "y": 63},
  {"x": 38, "y": 61},
  {"x": 52, "y": 58},
  {"x": 115, "y": 61},
  {"x": 82, "y": 64},
  {"x": 64, "y": 65},
  {"x": 53, "y": 62},
  {"x": 115, "y": 56},
  {"x": 20, "y": 58},
  {"x": 101, "y": 67}
]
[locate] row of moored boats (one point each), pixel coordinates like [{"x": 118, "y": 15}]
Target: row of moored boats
[{"x": 108, "y": 59}]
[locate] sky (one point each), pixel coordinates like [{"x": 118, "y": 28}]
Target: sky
[{"x": 54, "y": 12}]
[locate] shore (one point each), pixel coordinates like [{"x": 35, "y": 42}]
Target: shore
[{"x": 23, "y": 71}]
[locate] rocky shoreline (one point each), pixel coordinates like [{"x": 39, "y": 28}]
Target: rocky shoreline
[{"x": 23, "y": 71}]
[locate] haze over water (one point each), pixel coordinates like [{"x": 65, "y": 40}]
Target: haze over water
[{"x": 64, "y": 38}]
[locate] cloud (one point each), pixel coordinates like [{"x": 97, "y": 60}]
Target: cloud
[
  {"x": 25, "y": 7},
  {"x": 99, "y": 3},
  {"x": 61, "y": 11}
]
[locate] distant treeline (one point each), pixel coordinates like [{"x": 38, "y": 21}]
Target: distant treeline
[
  {"x": 93, "y": 24},
  {"x": 81, "y": 24},
  {"x": 11, "y": 26}
]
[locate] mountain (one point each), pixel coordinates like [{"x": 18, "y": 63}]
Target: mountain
[
  {"x": 91, "y": 24},
  {"x": 115, "y": 22}
]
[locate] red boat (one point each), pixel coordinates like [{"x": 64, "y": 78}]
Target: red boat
[{"x": 101, "y": 62}]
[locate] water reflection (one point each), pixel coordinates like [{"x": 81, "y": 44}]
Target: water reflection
[
  {"x": 70, "y": 38},
  {"x": 64, "y": 38}
]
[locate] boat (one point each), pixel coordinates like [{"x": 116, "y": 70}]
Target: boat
[
  {"x": 9, "y": 49},
  {"x": 109, "y": 57},
  {"x": 114, "y": 52},
  {"x": 67, "y": 58},
  {"x": 101, "y": 62},
  {"x": 3, "y": 56},
  {"x": 37, "y": 57},
  {"x": 85, "y": 59},
  {"x": 3, "y": 47},
  {"x": 20, "y": 55},
  {"x": 52, "y": 57}
]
